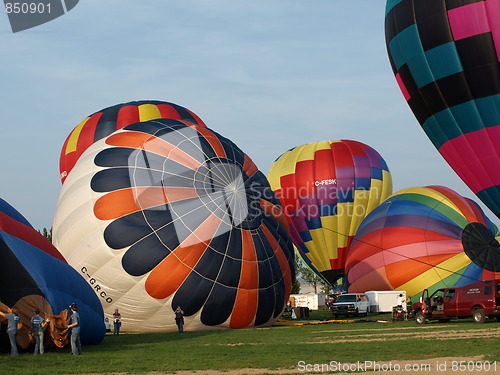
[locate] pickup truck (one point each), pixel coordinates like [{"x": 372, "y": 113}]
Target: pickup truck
[{"x": 479, "y": 300}]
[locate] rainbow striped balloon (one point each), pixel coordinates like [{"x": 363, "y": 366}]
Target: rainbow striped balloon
[{"x": 423, "y": 237}]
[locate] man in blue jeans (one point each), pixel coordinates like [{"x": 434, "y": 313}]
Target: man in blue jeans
[
  {"x": 13, "y": 320},
  {"x": 76, "y": 346},
  {"x": 38, "y": 324},
  {"x": 117, "y": 322}
]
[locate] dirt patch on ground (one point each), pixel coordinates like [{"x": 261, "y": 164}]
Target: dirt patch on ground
[
  {"x": 435, "y": 366},
  {"x": 444, "y": 335},
  {"x": 426, "y": 327},
  {"x": 234, "y": 344}
]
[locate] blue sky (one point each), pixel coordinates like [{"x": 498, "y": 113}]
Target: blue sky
[{"x": 267, "y": 74}]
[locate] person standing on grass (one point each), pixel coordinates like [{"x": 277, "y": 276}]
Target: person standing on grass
[
  {"x": 400, "y": 300},
  {"x": 117, "y": 322},
  {"x": 76, "y": 345},
  {"x": 179, "y": 319},
  {"x": 13, "y": 321},
  {"x": 106, "y": 324},
  {"x": 38, "y": 324}
]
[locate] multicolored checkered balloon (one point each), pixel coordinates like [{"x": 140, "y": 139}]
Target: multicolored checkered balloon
[{"x": 445, "y": 55}]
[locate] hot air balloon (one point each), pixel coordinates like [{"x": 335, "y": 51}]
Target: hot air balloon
[
  {"x": 34, "y": 275},
  {"x": 166, "y": 213},
  {"x": 106, "y": 121},
  {"x": 327, "y": 188},
  {"x": 423, "y": 237},
  {"x": 445, "y": 55}
]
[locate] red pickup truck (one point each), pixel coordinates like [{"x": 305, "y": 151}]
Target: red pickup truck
[{"x": 480, "y": 300}]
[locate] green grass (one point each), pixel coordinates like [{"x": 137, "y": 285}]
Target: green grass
[{"x": 267, "y": 348}]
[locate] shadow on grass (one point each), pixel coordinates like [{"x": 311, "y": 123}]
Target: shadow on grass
[{"x": 131, "y": 341}]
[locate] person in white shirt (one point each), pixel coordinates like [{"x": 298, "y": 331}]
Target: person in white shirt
[{"x": 400, "y": 301}]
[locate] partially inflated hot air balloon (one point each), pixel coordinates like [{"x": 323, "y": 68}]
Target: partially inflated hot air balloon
[
  {"x": 445, "y": 55},
  {"x": 423, "y": 237},
  {"x": 106, "y": 121},
  {"x": 327, "y": 188},
  {"x": 34, "y": 275},
  {"x": 165, "y": 213}
]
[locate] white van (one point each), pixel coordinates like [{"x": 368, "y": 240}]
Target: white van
[{"x": 350, "y": 304}]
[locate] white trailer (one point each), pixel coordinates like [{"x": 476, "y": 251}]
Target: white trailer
[
  {"x": 384, "y": 300},
  {"x": 312, "y": 301}
]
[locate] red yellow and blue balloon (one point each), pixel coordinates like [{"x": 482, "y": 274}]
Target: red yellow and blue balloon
[
  {"x": 327, "y": 188},
  {"x": 104, "y": 122}
]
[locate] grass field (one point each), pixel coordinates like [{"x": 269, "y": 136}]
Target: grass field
[{"x": 278, "y": 347}]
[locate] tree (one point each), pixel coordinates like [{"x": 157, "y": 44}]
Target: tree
[
  {"x": 46, "y": 233},
  {"x": 296, "y": 282},
  {"x": 309, "y": 276}
]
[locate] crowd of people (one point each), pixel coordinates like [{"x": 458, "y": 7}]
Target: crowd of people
[
  {"x": 39, "y": 322},
  {"x": 37, "y": 329}
]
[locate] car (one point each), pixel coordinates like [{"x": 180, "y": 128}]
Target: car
[{"x": 350, "y": 304}]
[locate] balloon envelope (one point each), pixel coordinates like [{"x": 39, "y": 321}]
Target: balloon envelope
[
  {"x": 423, "y": 237},
  {"x": 33, "y": 274},
  {"x": 327, "y": 188},
  {"x": 445, "y": 55},
  {"x": 106, "y": 121},
  {"x": 166, "y": 213}
]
